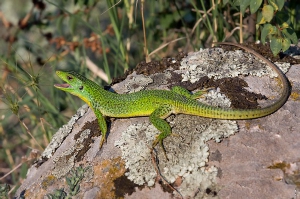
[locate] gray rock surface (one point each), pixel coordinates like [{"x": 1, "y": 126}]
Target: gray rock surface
[{"x": 206, "y": 159}]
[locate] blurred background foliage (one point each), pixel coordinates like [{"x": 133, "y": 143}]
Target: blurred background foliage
[{"x": 101, "y": 40}]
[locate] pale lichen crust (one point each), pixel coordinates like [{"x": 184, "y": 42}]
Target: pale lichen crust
[
  {"x": 217, "y": 63},
  {"x": 186, "y": 148},
  {"x": 137, "y": 83},
  {"x": 66, "y": 161},
  {"x": 63, "y": 132}
]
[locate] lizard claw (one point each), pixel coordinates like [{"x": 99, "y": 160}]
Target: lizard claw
[
  {"x": 155, "y": 142},
  {"x": 102, "y": 141}
]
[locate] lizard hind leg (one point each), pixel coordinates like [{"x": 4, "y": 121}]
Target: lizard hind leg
[
  {"x": 157, "y": 119},
  {"x": 188, "y": 94},
  {"x": 200, "y": 93},
  {"x": 182, "y": 91}
]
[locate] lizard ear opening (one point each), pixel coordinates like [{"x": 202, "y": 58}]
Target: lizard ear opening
[
  {"x": 80, "y": 87},
  {"x": 69, "y": 77}
]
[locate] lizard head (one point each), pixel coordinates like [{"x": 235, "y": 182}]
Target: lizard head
[{"x": 75, "y": 84}]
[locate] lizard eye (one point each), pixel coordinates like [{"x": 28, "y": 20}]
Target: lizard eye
[
  {"x": 80, "y": 87},
  {"x": 69, "y": 78}
]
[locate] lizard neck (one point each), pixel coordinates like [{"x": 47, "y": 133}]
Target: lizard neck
[{"x": 95, "y": 94}]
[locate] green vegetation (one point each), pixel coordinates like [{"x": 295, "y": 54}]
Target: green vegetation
[
  {"x": 101, "y": 40},
  {"x": 73, "y": 182},
  {"x": 273, "y": 21}
]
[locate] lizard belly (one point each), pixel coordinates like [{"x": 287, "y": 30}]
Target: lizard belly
[{"x": 127, "y": 110}]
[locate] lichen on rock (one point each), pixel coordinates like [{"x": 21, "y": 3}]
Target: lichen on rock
[
  {"x": 187, "y": 152},
  {"x": 217, "y": 63}
]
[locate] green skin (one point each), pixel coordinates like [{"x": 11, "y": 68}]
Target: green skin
[{"x": 159, "y": 104}]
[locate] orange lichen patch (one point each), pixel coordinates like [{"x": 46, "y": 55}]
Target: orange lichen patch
[
  {"x": 104, "y": 175},
  {"x": 247, "y": 125},
  {"x": 49, "y": 180},
  {"x": 278, "y": 82},
  {"x": 260, "y": 127},
  {"x": 295, "y": 95},
  {"x": 178, "y": 182},
  {"x": 35, "y": 192},
  {"x": 291, "y": 172},
  {"x": 280, "y": 165},
  {"x": 278, "y": 179}
]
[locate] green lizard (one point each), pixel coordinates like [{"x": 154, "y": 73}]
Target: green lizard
[{"x": 159, "y": 104}]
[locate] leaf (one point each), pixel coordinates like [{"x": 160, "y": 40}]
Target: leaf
[
  {"x": 275, "y": 45},
  {"x": 267, "y": 30},
  {"x": 273, "y": 4},
  {"x": 72, "y": 23},
  {"x": 264, "y": 33},
  {"x": 254, "y": 5},
  {"x": 284, "y": 25},
  {"x": 236, "y": 2},
  {"x": 286, "y": 43},
  {"x": 59, "y": 23},
  {"x": 260, "y": 19},
  {"x": 290, "y": 34},
  {"x": 280, "y": 4},
  {"x": 243, "y": 5},
  {"x": 282, "y": 17},
  {"x": 268, "y": 12}
]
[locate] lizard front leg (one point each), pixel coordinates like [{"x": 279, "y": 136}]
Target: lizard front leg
[
  {"x": 102, "y": 125},
  {"x": 157, "y": 119}
]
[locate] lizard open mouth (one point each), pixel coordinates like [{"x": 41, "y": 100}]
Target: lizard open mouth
[{"x": 62, "y": 85}]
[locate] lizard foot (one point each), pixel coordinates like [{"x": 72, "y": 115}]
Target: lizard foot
[{"x": 160, "y": 141}]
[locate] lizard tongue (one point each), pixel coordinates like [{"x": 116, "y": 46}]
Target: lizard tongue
[{"x": 62, "y": 85}]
